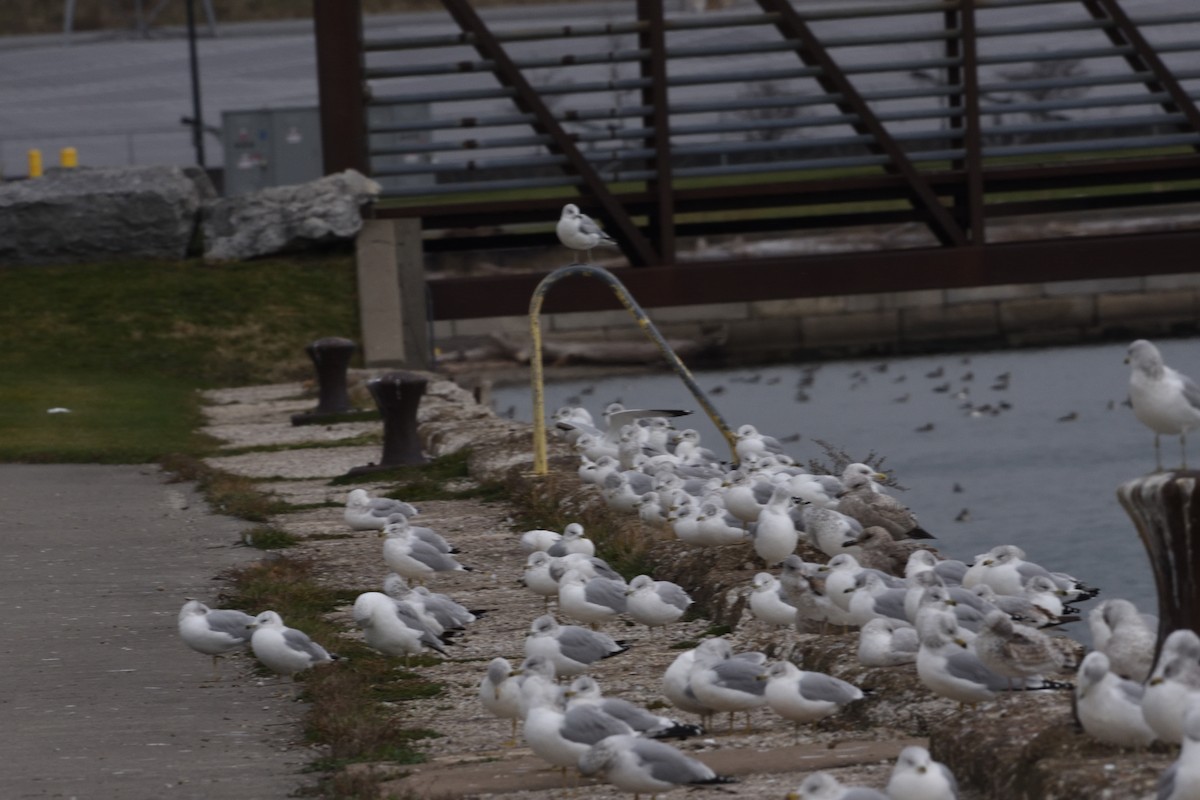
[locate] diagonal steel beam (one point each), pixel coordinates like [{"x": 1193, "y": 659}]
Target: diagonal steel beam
[
  {"x": 652, "y": 38},
  {"x": 1125, "y": 33},
  {"x": 835, "y": 82},
  {"x": 635, "y": 246}
]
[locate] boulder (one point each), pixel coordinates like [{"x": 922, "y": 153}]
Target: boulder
[
  {"x": 93, "y": 214},
  {"x": 283, "y": 218}
]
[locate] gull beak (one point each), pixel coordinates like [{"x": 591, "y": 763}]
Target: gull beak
[
  {"x": 921, "y": 770},
  {"x": 961, "y": 643},
  {"x": 762, "y": 676},
  {"x": 1155, "y": 681},
  {"x": 849, "y": 542},
  {"x": 880, "y": 476}
]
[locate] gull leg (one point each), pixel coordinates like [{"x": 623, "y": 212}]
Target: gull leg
[
  {"x": 1157, "y": 455},
  {"x": 731, "y": 722},
  {"x": 1183, "y": 449},
  {"x": 216, "y": 675}
]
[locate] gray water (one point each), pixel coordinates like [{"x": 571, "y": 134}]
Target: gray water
[{"x": 1042, "y": 474}]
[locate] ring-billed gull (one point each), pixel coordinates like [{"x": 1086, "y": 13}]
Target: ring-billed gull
[
  {"x": 802, "y": 696},
  {"x": 572, "y": 541},
  {"x": 872, "y": 508},
  {"x": 870, "y": 597},
  {"x": 645, "y": 766},
  {"x": 823, "y": 786},
  {"x": 1006, "y": 570},
  {"x": 1181, "y": 780},
  {"x": 500, "y": 691},
  {"x": 947, "y": 665},
  {"x": 556, "y": 734},
  {"x": 752, "y": 443},
  {"x": 448, "y": 613},
  {"x": 725, "y": 683},
  {"x": 577, "y": 231},
  {"x": 769, "y": 601},
  {"x": 885, "y": 642},
  {"x": 916, "y": 776},
  {"x": 1131, "y": 642},
  {"x": 284, "y": 650},
  {"x": 429, "y": 536},
  {"x": 1174, "y": 685},
  {"x": 951, "y": 571},
  {"x": 537, "y": 539},
  {"x": 213, "y": 631},
  {"x": 585, "y": 689},
  {"x": 385, "y": 628},
  {"x": 537, "y": 578},
  {"x": 677, "y": 688},
  {"x": 590, "y": 600},
  {"x": 366, "y": 513},
  {"x": 1108, "y": 706},
  {"x": 413, "y": 559},
  {"x": 775, "y": 536},
  {"x": 570, "y": 648},
  {"x": 829, "y": 530},
  {"x": 1164, "y": 400},
  {"x": 654, "y": 603}
]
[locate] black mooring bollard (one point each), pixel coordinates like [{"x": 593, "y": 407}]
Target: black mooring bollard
[
  {"x": 331, "y": 357},
  {"x": 1165, "y": 508},
  {"x": 398, "y": 394}
]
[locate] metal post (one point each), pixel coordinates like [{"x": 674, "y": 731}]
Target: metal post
[
  {"x": 341, "y": 87},
  {"x": 398, "y": 394},
  {"x": 331, "y": 357},
  {"x": 197, "y": 112},
  {"x": 1165, "y": 508},
  {"x": 540, "y": 464}
]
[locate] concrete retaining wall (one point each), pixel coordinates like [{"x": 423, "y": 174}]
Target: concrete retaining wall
[{"x": 1016, "y": 315}]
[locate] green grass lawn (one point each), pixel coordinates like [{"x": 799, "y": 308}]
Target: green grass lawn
[{"x": 126, "y": 346}]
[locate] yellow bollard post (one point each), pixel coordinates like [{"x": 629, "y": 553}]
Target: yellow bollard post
[
  {"x": 68, "y": 158},
  {"x": 35, "y": 163}
]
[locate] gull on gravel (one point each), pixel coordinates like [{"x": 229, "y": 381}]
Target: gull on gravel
[
  {"x": 1015, "y": 651},
  {"x": 1130, "y": 643},
  {"x": 389, "y": 630},
  {"x": 500, "y": 691},
  {"x": 429, "y": 536},
  {"x": 916, "y": 776},
  {"x": 284, "y": 650},
  {"x": 677, "y": 688},
  {"x": 823, "y": 786},
  {"x": 1181, "y": 780},
  {"x": 414, "y": 559},
  {"x": 775, "y": 536},
  {"x": 724, "y": 683},
  {"x": 585, "y": 690},
  {"x": 590, "y": 600},
  {"x": 802, "y": 696},
  {"x": 655, "y": 603},
  {"x": 538, "y": 539},
  {"x": 1174, "y": 685},
  {"x": 886, "y": 642},
  {"x": 572, "y": 541},
  {"x": 874, "y": 508},
  {"x": 571, "y": 649},
  {"x": 1164, "y": 400},
  {"x": 558, "y": 735},
  {"x": 366, "y": 513},
  {"x": 769, "y": 601},
  {"x": 829, "y": 530},
  {"x": 213, "y": 632},
  {"x": 645, "y": 766},
  {"x": 947, "y": 665},
  {"x": 537, "y": 578},
  {"x": 1108, "y": 706}
]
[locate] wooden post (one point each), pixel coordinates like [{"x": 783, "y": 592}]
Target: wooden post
[{"x": 1165, "y": 508}]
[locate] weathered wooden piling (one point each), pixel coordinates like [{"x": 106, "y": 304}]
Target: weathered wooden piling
[{"x": 1165, "y": 508}]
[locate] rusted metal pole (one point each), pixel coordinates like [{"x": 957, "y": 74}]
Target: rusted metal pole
[
  {"x": 1165, "y": 508},
  {"x": 331, "y": 358},
  {"x": 398, "y": 395},
  {"x": 341, "y": 87}
]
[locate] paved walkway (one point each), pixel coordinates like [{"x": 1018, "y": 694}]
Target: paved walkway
[{"x": 98, "y": 696}]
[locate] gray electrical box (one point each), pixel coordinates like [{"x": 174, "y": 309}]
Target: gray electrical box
[{"x": 271, "y": 147}]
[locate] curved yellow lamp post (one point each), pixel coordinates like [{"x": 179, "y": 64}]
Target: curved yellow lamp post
[{"x": 540, "y": 466}]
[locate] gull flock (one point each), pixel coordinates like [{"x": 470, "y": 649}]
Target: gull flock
[{"x": 973, "y": 631}]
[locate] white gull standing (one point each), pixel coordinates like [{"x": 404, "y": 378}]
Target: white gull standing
[
  {"x": 1174, "y": 685},
  {"x": 802, "y": 696},
  {"x": 284, "y": 650},
  {"x": 1164, "y": 400},
  {"x": 571, "y": 649},
  {"x": 1181, "y": 780},
  {"x": 916, "y": 776},
  {"x": 654, "y": 603},
  {"x": 366, "y": 513},
  {"x": 645, "y": 766},
  {"x": 213, "y": 631}
]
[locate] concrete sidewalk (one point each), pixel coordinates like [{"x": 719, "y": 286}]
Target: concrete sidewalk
[{"x": 99, "y": 697}]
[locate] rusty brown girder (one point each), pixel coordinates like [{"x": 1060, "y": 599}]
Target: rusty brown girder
[
  {"x": 834, "y": 81},
  {"x": 652, "y": 38},
  {"x": 621, "y": 227},
  {"x": 1124, "y": 32}
]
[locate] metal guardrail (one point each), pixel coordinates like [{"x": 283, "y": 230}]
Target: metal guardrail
[{"x": 537, "y": 379}]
